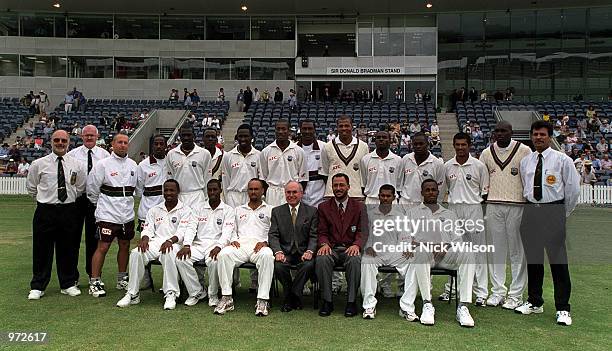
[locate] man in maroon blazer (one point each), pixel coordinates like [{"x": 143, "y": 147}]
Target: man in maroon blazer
[{"x": 342, "y": 234}]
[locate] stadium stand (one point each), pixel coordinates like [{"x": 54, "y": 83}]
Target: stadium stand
[{"x": 12, "y": 116}]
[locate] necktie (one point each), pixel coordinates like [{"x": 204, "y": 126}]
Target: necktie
[
  {"x": 89, "y": 161},
  {"x": 537, "y": 180},
  {"x": 62, "y": 194},
  {"x": 341, "y": 210},
  {"x": 293, "y": 215}
]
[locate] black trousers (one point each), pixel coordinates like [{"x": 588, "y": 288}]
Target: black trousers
[
  {"x": 87, "y": 218},
  {"x": 324, "y": 267},
  {"x": 543, "y": 229},
  {"x": 282, "y": 271},
  {"x": 54, "y": 228}
]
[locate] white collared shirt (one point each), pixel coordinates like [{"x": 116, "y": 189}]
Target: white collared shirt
[
  {"x": 112, "y": 171},
  {"x": 237, "y": 170},
  {"x": 162, "y": 224},
  {"x": 80, "y": 154},
  {"x": 413, "y": 175},
  {"x": 278, "y": 167},
  {"x": 560, "y": 180},
  {"x": 149, "y": 175},
  {"x": 252, "y": 224},
  {"x": 315, "y": 190},
  {"x": 215, "y": 227},
  {"x": 433, "y": 227},
  {"x": 377, "y": 231},
  {"x": 190, "y": 171},
  {"x": 376, "y": 171},
  {"x": 466, "y": 182},
  {"x": 42, "y": 179}
]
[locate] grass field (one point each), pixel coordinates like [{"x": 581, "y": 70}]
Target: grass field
[{"x": 96, "y": 324}]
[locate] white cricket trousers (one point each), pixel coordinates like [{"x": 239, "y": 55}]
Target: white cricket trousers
[
  {"x": 418, "y": 276},
  {"x": 231, "y": 257},
  {"x": 503, "y": 231},
  {"x": 193, "y": 198},
  {"x": 138, "y": 261},
  {"x": 369, "y": 271},
  {"x": 275, "y": 196},
  {"x": 190, "y": 276},
  {"x": 473, "y": 212},
  {"x": 236, "y": 198}
]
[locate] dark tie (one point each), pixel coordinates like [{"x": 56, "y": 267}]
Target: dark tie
[
  {"x": 62, "y": 194},
  {"x": 341, "y": 210},
  {"x": 89, "y": 161},
  {"x": 537, "y": 180}
]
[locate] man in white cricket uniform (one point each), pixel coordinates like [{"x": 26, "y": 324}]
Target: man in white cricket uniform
[
  {"x": 379, "y": 167},
  {"x": 88, "y": 154},
  {"x": 210, "y": 144},
  {"x": 239, "y": 166},
  {"x": 216, "y": 225},
  {"x": 281, "y": 162},
  {"x": 315, "y": 188},
  {"x": 432, "y": 247},
  {"x": 110, "y": 186},
  {"x": 189, "y": 165},
  {"x": 248, "y": 244},
  {"x": 152, "y": 174},
  {"x": 343, "y": 155},
  {"x": 503, "y": 217},
  {"x": 468, "y": 180},
  {"x": 416, "y": 167},
  {"x": 165, "y": 227},
  {"x": 377, "y": 250}
]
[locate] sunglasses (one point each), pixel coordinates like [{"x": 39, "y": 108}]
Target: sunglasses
[{"x": 58, "y": 140}]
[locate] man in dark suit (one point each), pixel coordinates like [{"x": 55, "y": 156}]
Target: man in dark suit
[
  {"x": 342, "y": 232},
  {"x": 293, "y": 239}
]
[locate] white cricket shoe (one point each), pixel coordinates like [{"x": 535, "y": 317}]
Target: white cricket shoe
[
  {"x": 35, "y": 294},
  {"x": 428, "y": 314},
  {"x": 564, "y": 318},
  {"x": 226, "y": 304},
  {"x": 262, "y": 308},
  {"x": 495, "y": 300},
  {"x": 464, "y": 317},
  {"x": 512, "y": 303},
  {"x": 369, "y": 313},
  {"x": 409, "y": 316},
  {"x": 528, "y": 308},
  {"x": 71, "y": 291},
  {"x": 97, "y": 289},
  {"x": 128, "y": 300},
  {"x": 213, "y": 300},
  {"x": 193, "y": 300},
  {"x": 170, "y": 303}
]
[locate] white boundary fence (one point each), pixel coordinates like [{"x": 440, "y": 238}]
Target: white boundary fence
[{"x": 598, "y": 194}]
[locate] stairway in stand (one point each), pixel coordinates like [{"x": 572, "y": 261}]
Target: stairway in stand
[
  {"x": 448, "y": 129},
  {"x": 233, "y": 121}
]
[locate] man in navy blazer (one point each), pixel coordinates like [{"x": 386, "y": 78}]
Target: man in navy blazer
[
  {"x": 293, "y": 239},
  {"x": 342, "y": 232}
]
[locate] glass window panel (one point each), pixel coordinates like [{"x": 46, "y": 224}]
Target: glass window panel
[
  {"x": 182, "y": 68},
  {"x": 420, "y": 20},
  {"x": 272, "y": 69},
  {"x": 9, "y": 24},
  {"x": 43, "y": 66},
  {"x": 265, "y": 28},
  {"x": 90, "y": 67},
  {"x": 326, "y": 44},
  {"x": 43, "y": 25},
  {"x": 136, "y": 67},
  {"x": 9, "y": 65},
  {"x": 182, "y": 28},
  {"x": 90, "y": 26},
  {"x": 217, "y": 69},
  {"x": 221, "y": 28},
  {"x": 420, "y": 42},
  {"x": 240, "y": 69},
  {"x": 137, "y": 27},
  {"x": 388, "y": 42},
  {"x": 364, "y": 37}
]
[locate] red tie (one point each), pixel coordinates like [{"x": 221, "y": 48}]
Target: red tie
[{"x": 341, "y": 210}]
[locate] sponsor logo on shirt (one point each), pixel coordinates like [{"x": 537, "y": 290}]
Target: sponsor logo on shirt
[
  {"x": 372, "y": 169},
  {"x": 468, "y": 176},
  {"x": 272, "y": 158},
  {"x": 114, "y": 173},
  {"x": 514, "y": 171},
  {"x": 152, "y": 174},
  {"x": 336, "y": 167}
]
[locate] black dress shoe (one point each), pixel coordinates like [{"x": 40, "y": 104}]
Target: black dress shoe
[
  {"x": 350, "y": 310},
  {"x": 326, "y": 309},
  {"x": 296, "y": 302},
  {"x": 286, "y": 307}
]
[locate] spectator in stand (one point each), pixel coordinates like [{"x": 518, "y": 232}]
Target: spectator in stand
[
  {"x": 220, "y": 140},
  {"x": 571, "y": 139},
  {"x": 101, "y": 142},
  {"x": 68, "y": 102},
  {"x": 594, "y": 124},
  {"x": 29, "y": 130},
  {"x": 185, "y": 94},
  {"x": 473, "y": 95},
  {"x": 606, "y": 163},
  {"x": 188, "y": 102},
  {"x": 508, "y": 95},
  {"x": 426, "y": 98},
  {"x": 582, "y": 123},
  {"x": 498, "y": 96},
  {"x": 76, "y": 129},
  {"x": 256, "y": 95},
  {"x": 362, "y": 132},
  {"x": 207, "y": 120},
  {"x": 579, "y": 162},
  {"x": 378, "y": 95},
  {"x": 4, "y": 151},
  {"x": 602, "y": 146},
  {"x": 43, "y": 102},
  {"x": 240, "y": 100},
  {"x": 477, "y": 134},
  {"x": 195, "y": 98},
  {"x": 248, "y": 98},
  {"x": 221, "y": 95},
  {"x": 330, "y": 136},
  {"x": 24, "y": 166},
  {"x": 215, "y": 123},
  {"x": 405, "y": 141},
  {"x": 278, "y": 95},
  {"x": 435, "y": 128},
  {"x": 11, "y": 167},
  {"x": 293, "y": 100},
  {"x": 483, "y": 95},
  {"x": 415, "y": 127},
  {"x": 605, "y": 126},
  {"x": 174, "y": 96},
  {"x": 588, "y": 176},
  {"x": 265, "y": 96},
  {"x": 418, "y": 97},
  {"x": 191, "y": 118},
  {"x": 546, "y": 117},
  {"x": 590, "y": 112}
]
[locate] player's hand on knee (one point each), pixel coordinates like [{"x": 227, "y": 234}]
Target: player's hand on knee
[
  {"x": 324, "y": 250},
  {"x": 184, "y": 253},
  {"x": 235, "y": 244},
  {"x": 353, "y": 250},
  {"x": 143, "y": 244},
  {"x": 214, "y": 252}
]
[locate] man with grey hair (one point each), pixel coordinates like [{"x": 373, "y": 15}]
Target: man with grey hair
[
  {"x": 293, "y": 239},
  {"x": 88, "y": 155}
]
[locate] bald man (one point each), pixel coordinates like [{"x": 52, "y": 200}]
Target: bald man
[
  {"x": 56, "y": 181},
  {"x": 88, "y": 155}
]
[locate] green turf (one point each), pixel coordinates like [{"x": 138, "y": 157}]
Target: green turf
[{"x": 96, "y": 324}]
